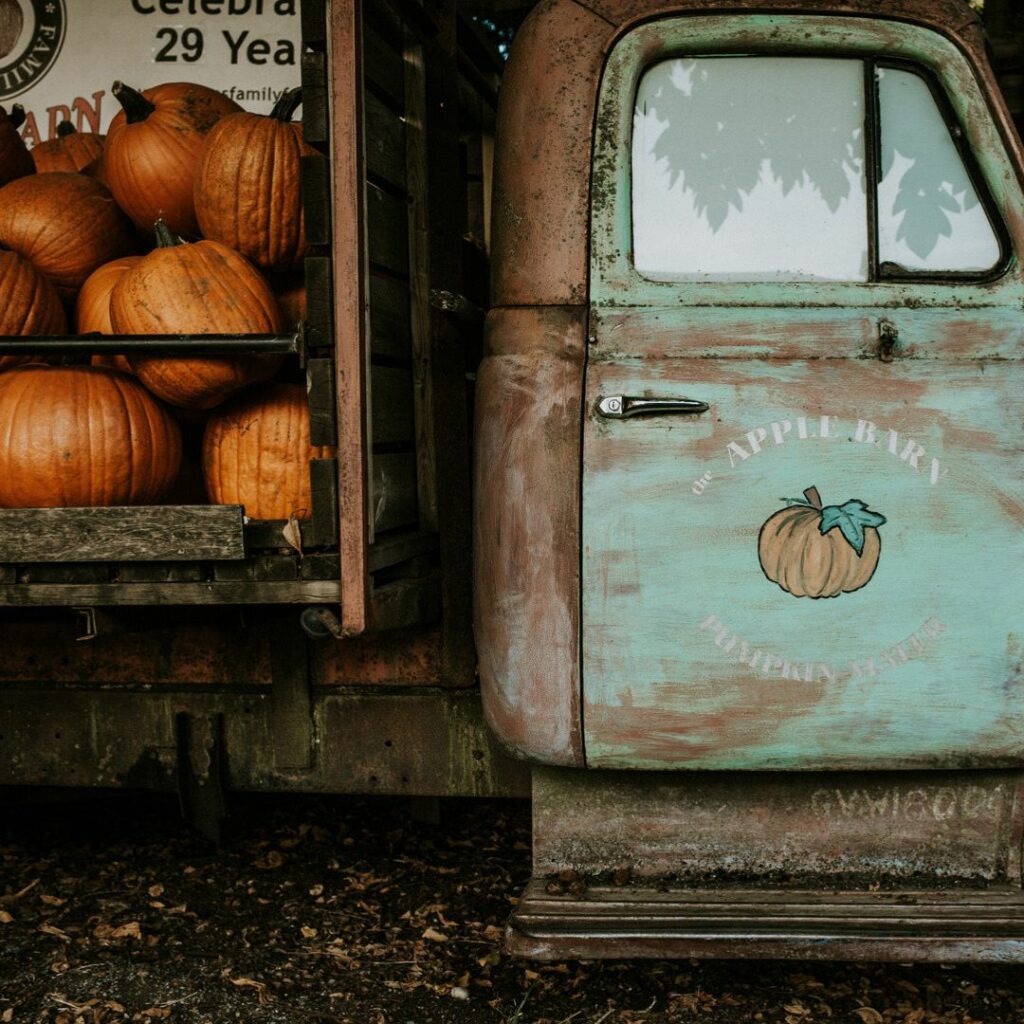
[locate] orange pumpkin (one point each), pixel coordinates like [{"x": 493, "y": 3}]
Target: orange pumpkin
[
  {"x": 256, "y": 453},
  {"x": 15, "y": 159},
  {"x": 69, "y": 151},
  {"x": 66, "y": 224},
  {"x": 30, "y": 304},
  {"x": 248, "y": 185},
  {"x": 198, "y": 288},
  {"x": 92, "y": 308},
  {"x": 78, "y": 436},
  {"x": 153, "y": 147},
  {"x": 815, "y": 551}
]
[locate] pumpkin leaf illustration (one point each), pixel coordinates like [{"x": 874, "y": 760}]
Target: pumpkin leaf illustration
[{"x": 851, "y": 518}]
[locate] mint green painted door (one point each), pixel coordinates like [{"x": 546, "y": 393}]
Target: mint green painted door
[{"x": 823, "y": 568}]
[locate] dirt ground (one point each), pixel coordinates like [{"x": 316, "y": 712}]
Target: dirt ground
[{"x": 323, "y": 911}]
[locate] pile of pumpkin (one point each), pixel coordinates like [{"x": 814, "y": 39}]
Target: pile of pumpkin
[{"x": 185, "y": 219}]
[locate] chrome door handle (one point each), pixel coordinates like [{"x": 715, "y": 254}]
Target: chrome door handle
[{"x": 620, "y": 407}]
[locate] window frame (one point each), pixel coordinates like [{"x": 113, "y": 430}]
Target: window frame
[
  {"x": 614, "y": 280},
  {"x": 879, "y": 270}
]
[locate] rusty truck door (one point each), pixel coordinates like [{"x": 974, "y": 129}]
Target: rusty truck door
[{"x": 802, "y": 484}]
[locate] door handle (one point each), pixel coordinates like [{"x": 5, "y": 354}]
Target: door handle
[{"x": 620, "y": 407}]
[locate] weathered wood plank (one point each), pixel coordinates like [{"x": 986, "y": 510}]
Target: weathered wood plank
[
  {"x": 385, "y": 142},
  {"x": 314, "y": 97},
  {"x": 348, "y": 170},
  {"x": 152, "y": 533},
  {"x": 319, "y": 566},
  {"x": 262, "y": 568},
  {"x": 392, "y": 405},
  {"x": 383, "y": 64},
  {"x": 318, "y": 325},
  {"x": 388, "y": 230},
  {"x": 323, "y": 402},
  {"x": 160, "y": 572},
  {"x": 390, "y": 330},
  {"x": 316, "y": 199},
  {"x": 314, "y": 23},
  {"x": 420, "y": 271},
  {"x": 393, "y": 495},
  {"x": 398, "y": 549},
  {"x": 323, "y": 480},
  {"x": 64, "y": 594}
]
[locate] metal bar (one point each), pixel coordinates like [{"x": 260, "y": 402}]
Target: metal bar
[
  {"x": 179, "y": 344},
  {"x": 963, "y": 925}
]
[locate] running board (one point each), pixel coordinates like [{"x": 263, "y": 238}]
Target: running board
[{"x": 635, "y": 921}]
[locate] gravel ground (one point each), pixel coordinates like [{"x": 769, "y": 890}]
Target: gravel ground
[{"x": 331, "y": 910}]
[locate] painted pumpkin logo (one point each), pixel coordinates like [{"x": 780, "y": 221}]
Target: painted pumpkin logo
[{"x": 815, "y": 551}]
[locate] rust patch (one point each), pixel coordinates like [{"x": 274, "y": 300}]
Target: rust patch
[{"x": 401, "y": 658}]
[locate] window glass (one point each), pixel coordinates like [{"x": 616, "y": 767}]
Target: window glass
[
  {"x": 929, "y": 216},
  {"x": 750, "y": 168}
]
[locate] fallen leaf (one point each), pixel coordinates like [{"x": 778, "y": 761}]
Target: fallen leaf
[
  {"x": 14, "y": 896},
  {"x": 157, "y": 1012},
  {"x": 868, "y": 1015},
  {"x": 5, "y": 918},
  {"x": 131, "y": 930},
  {"x": 52, "y": 901},
  {"x": 156, "y": 890},
  {"x": 261, "y": 988},
  {"x": 434, "y": 935},
  {"x": 292, "y": 533},
  {"x": 49, "y": 929},
  {"x": 7, "y": 1015}
]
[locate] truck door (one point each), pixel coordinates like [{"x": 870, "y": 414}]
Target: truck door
[{"x": 802, "y": 483}]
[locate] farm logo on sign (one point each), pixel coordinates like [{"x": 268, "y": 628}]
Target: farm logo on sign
[{"x": 43, "y": 26}]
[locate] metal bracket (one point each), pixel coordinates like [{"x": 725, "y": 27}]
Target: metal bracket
[
  {"x": 888, "y": 340},
  {"x": 86, "y": 623}
]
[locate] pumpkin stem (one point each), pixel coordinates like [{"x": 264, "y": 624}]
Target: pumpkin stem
[
  {"x": 17, "y": 115},
  {"x": 64, "y": 129},
  {"x": 165, "y": 237},
  {"x": 286, "y": 104},
  {"x": 812, "y": 495},
  {"x": 136, "y": 106}
]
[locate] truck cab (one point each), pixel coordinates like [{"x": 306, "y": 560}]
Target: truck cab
[{"x": 748, "y": 479}]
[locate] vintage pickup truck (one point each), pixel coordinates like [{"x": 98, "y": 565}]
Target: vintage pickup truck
[{"x": 747, "y": 499}]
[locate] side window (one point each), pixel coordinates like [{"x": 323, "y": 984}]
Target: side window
[
  {"x": 757, "y": 168},
  {"x": 929, "y": 215},
  {"x": 750, "y": 168}
]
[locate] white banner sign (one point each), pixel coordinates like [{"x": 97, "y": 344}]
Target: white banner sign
[{"x": 69, "y": 53}]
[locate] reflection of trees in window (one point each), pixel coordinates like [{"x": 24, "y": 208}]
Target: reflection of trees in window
[
  {"x": 731, "y": 130},
  {"x": 728, "y": 120},
  {"x": 935, "y": 183}
]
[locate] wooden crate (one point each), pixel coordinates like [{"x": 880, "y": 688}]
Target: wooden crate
[{"x": 387, "y": 344}]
